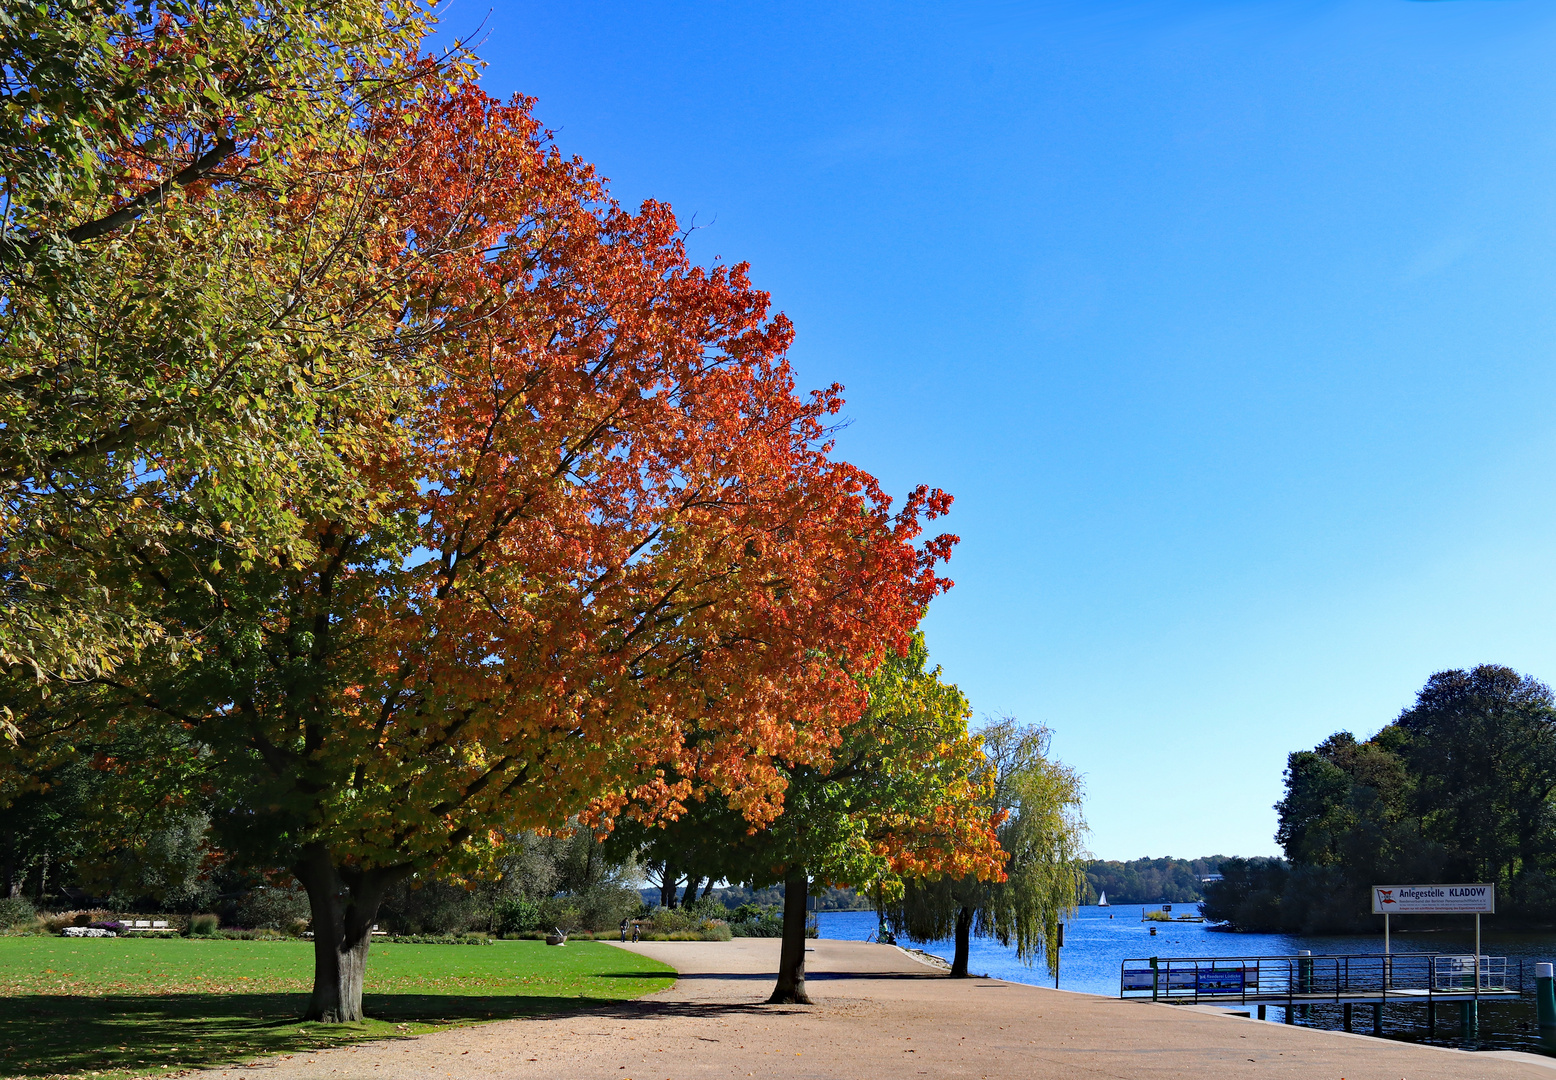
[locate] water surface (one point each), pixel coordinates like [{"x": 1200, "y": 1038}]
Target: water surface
[{"x": 1098, "y": 940}]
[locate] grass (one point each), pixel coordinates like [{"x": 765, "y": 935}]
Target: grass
[{"x": 115, "y": 1008}]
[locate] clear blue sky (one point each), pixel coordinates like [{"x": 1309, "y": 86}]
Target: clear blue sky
[{"x": 1230, "y": 326}]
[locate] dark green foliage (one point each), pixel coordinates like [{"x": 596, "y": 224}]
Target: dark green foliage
[
  {"x": 1248, "y": 896},
  {"x": 162, "y": 869},
  {"x": 756, "y": 920},
  {"x": 437, "y": 939},
  {"x": 43, "y": 832},
  {"x": 517, "y": 915},
  {"x": 14, "y": 911},
  {"x": 1150, "y": 881},
  {"x": 432, "y": 907},
  {"x": 1459, "y": 788},
  {"x": 273, "y": 907}
]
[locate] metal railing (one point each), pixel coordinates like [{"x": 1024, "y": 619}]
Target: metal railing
[{"x": 1314, "y": 979}]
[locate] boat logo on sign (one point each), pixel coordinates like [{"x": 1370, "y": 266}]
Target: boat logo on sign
[{"x": 1386, "y": 896}]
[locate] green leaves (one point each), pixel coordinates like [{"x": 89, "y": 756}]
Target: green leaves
[{"x": 149, "y": 389}]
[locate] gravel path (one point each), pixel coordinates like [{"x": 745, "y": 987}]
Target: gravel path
[{"x": 880, "y": 1015}]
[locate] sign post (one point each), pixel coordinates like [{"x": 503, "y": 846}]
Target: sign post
[{"x": 1476, "y": 900}]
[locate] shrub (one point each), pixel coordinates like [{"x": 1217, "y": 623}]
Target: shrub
[
  {"x": 602, "y": 907},
  {"x": 15, "y": 911},
  {"x": 685, "y": 924},
  {"x": 55, "y": 921},
  {"x": 517, "y": 915},
  {"x": 673, "y": 920},
  {"x": 204, "y": 925},
  {"x": 713, "y": 930},
  {"x": 438, "y": 939},
  {"x": 273, "y": 907},
  {"x": 419, "y": 908},
  {"x": 754, "y": 920}
]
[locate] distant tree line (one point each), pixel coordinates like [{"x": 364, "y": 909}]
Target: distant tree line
[
  {"x": 1150, "y": 881},
  {"x": 1457, "y": 789},
  {"x": 822, "y": 897}
]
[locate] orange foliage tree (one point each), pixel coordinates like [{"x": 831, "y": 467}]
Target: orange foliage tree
[
  {"x": 608, "y": 557},
  {"x": 905, "y": 794}
]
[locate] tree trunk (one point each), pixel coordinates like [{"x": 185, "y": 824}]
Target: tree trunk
[
  {"x": 691, "y": 889},
  {"x": 15, "y": 872},
  {"x": 964, "y": 918},
  {"x": 667, "y": 883},
  {"x": 708, "y": 888},
  {"x": 791, "y": 957},
  {"x": 343, "y": 903}
]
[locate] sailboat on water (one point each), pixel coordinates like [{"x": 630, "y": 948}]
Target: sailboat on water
[{"x": 1102, "y": 900}]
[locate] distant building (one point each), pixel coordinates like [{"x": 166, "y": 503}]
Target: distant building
[{"x": 1206, "y": 879}]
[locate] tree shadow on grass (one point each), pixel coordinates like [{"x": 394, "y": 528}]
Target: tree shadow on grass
[{"x": 44, "y": 1035}]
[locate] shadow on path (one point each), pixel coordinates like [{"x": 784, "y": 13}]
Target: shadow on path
[{"x": 45, "y": 1035}]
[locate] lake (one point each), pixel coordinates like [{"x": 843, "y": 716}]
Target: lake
[{"x": 1098, "y": 940}]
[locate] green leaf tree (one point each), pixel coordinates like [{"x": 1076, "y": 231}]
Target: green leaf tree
[
  {"x": 195, "y": 312},
  {"x": 1037, "y": 801},
  {"x": 904, "y": 792}
]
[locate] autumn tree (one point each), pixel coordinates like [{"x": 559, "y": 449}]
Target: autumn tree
[
  {"x": 902, "y": 794},
  {"x": 608, "y": 559},
  {"x": 1037, "y": 801},
  {"x": 195, "y": 314}
]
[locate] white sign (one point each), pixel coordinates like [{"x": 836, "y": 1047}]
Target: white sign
[{"x": 1434, "y": 899}]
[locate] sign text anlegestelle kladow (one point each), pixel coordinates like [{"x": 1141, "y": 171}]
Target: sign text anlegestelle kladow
[{"x": 1434, "y": 899}]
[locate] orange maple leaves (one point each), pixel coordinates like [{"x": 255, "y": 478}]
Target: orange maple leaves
[{"x": 634, "y": 552}]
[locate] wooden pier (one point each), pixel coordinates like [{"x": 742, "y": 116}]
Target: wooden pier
[{"x": 1297, "y": 983}]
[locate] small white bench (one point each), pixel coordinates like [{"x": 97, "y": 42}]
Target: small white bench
[{"x": 143, "y": 925}]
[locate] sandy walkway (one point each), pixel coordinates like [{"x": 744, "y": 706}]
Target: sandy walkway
[{"x": 880, "y": 1015}]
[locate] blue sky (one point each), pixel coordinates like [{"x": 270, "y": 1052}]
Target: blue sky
[{"x": 1229, "y": 325}]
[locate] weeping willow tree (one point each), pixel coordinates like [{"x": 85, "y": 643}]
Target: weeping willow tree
[{"x": 1042, "y": 835}]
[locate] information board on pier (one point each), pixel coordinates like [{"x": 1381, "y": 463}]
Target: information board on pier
[{"x": 1434, "y": 899}]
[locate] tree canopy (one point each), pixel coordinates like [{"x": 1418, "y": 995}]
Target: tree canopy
[
  {"x": 600, "y": 541},
  {"x": 1458, "y": 788},
  {"x": 1037, "y": 803},
  {"x": 904, "y": 792},
  {"x": 198, "y": 325}
]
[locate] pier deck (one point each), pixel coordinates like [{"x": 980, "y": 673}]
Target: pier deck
[{"x": 1357, "y": 979}]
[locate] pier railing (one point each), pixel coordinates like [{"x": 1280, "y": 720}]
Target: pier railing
[{"x": 1369, "y": 977}]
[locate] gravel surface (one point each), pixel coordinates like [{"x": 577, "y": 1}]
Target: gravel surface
[{"x": 880, "y": 1014}]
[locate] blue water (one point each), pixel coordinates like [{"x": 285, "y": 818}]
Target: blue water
[{"x": 1098, "y": 940}]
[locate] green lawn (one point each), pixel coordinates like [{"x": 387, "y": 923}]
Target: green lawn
[{"x": 120, "y": 1007}]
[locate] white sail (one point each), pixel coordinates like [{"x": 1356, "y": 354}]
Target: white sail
[{"x": 1102, "y": 900}]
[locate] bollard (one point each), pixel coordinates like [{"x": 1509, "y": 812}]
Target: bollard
[
  {"x": 1545, "y": 1004},
  {"x": 1345, "y": 1011},
  {"x": 1304, "y": 978},
  {"x": 1377, "y": 1020}
]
